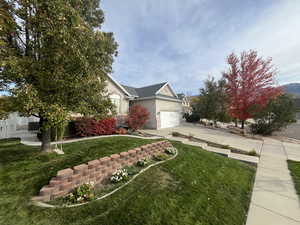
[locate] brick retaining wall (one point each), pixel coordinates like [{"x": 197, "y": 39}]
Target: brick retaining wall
[{"x": 96, "y": 171}]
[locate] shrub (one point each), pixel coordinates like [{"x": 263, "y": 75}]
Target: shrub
[
  {"x": 119, "y": 175},
  {"x": 121, "y": 131},
  {"x": 142, "y": 162},
  {"x": 262, "y": 128},
  {"x": 92, "y": 127},
  {"x": 63, "y": 131},
  {"x": 132, "y": 170},
  {"x": 252, "y": 153},
  {"x": 170, "y": 151},
  {"x": 194, "y": 117},
  {"x": 106, "y": 126},
  {"x": 84, "y": 127},
  {"x": 81, "y": 194},
  {"x": 278, "y": 113},
  {"x": 137, "y": 117},
  {"x": 161, "y": 157}
]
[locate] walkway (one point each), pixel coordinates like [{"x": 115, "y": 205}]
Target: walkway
[
  {"x": 274, "y": 199},
  {"x": 33, "y": 141}
]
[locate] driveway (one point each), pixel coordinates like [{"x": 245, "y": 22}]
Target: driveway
[{"x": 216, "y": 136}]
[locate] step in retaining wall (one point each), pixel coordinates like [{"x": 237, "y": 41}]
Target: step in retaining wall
[{"x": 97, "y": 171}]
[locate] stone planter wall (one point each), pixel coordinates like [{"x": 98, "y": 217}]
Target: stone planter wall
[{"x": 96, "y": 171}]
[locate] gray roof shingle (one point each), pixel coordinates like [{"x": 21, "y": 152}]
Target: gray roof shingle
[
  {"x": 130, "y": 90},
  {"x": 146, "y": 91},
  {"x": 149, "y": 90}
]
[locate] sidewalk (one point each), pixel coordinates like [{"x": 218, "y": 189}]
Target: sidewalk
[
  {"x": 274, "y": 199},
  {"x": 33, "y": 141}
]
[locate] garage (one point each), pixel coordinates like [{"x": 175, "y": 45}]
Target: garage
[{"x": 169, "y": 119}]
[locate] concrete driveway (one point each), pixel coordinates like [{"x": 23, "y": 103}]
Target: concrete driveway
[{"x": 217, "y": 136}]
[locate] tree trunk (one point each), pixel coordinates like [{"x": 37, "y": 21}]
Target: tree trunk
[
  {"x": 46, "y": 140},
  {"x": 46, "y": 137},
  {"x": 243, "y": 124},
  {"x": 236, "y": 122}
]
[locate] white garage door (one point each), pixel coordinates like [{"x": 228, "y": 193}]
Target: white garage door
[{"x": 169, "y": 119}]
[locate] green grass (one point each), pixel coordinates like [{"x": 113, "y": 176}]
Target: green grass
[
  {"x": 195, "y": 188},
  {"x": 294, "y": 168}
]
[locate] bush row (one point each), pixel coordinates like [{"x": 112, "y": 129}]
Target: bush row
[
  {"x": 87, "y": 126},
  {"x": 91, "y": 127}
]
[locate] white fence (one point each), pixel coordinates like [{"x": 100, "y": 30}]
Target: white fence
[{"x": 15, "y": 126}]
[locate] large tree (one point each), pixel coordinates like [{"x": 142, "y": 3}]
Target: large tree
[
  {"x": 212, "y": 101},
  {"x": 250, "y": 84},
  {"x": 54, "y": 59}
]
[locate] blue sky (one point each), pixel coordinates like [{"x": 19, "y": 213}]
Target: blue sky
[{"x": 183, "y": 42}]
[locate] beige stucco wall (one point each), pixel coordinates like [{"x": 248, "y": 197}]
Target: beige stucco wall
[
  {"x": 154, "y": 106},
  {"x": 150, "y": 106},
  {"x": 166, "y": 91},
  {"x": 124, "y": 103}
]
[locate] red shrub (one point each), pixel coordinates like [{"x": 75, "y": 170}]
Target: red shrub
[
  {"x": 121, "y": 131},
  {"x": 106, "y": 126},
  {"x": 137, "y": 117},
  {"x": 84, "y": 127},
  {"x": 92, "y": 127}
]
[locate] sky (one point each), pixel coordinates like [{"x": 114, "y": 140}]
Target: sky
[{"x": 185, "y": 41}]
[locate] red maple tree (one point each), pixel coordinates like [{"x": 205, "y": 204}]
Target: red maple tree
[
  {"x": 137, "y": 117},
  {"x": 250, "y": 84}
]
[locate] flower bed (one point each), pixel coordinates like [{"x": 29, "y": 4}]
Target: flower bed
[{"x": 97, "y": 171}]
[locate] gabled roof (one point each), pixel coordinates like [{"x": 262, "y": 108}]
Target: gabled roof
[
  {"x": 118, "y": 85},
  {"x": 144, "y": 92},
  {"x": 131, "y": 90},
  {"x": 181, "y": 96},
  {"x": 149, "y": 91}
]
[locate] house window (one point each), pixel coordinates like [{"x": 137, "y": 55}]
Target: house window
[{"x": 116, "y": 100}]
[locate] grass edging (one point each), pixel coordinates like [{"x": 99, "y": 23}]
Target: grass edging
[
  {"x": 213, "y": 144},
  {"x": 46, "y": 205},
  {"x": 294, "y": 168}
]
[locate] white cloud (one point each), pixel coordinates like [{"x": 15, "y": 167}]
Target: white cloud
[
  {"x": 276, "y": 35},
  {"x": 184, "y": 41}
]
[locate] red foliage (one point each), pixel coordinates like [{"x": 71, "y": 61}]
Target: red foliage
[
  {"x": 121, "y": 131},
  {"x": 137, "y": 117},
  {"x": 92, "y": 127},
  {"x": 250, "y": 84}
]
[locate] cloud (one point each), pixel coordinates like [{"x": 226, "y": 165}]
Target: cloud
[{"x": 184, "y": 41}]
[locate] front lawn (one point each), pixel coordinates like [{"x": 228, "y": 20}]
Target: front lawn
[
  {"x": 294, "y": 168},
  {"x": 197, "y": 187}
]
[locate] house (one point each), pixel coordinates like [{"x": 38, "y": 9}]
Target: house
[
  {"x": 160, "y": 100},
  {"x": 186, "y": 106}
]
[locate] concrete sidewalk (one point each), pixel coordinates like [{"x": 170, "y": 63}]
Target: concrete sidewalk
[{"x": 274, "y": 199}]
